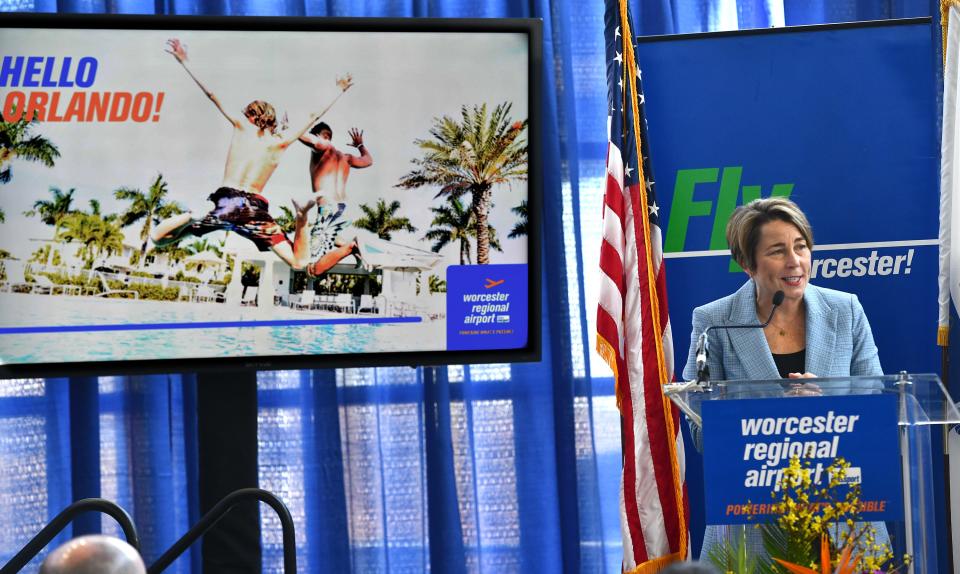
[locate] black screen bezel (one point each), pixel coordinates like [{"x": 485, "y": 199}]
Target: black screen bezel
[{"x": 533, "y": 28}]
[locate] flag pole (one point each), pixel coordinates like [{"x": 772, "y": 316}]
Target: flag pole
[
  {"x": 633, "y": 330},
  {"x": 943, "y": 331},
  {"x": 630, "y": 73}
]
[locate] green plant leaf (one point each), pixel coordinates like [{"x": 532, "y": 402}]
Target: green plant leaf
[
  {"x": 733, "y": 556},
  {"x": 778, "y": 544}
]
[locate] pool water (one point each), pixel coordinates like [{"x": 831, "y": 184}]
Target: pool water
[{"x": 19, "y": 309}]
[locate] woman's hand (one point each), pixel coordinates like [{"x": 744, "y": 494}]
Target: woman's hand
[{"x": 799, "y": 389}]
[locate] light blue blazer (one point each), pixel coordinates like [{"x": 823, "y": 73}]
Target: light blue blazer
[{"x": 839, "y": 340}]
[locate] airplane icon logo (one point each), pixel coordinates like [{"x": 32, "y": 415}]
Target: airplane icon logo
[{"x": 491, "y": 283}]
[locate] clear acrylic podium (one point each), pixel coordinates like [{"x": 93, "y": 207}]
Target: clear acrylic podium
[{"x": 924, "y": 407}]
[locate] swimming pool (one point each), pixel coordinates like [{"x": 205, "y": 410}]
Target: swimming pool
[{"x": 221, "y": 337}]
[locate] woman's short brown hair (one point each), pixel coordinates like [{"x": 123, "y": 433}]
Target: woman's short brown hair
[
  {"x": 743, "y": 228},
  {"x": 262, "y": 115}
]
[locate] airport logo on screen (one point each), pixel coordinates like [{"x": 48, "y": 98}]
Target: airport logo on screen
[
  {"x": 486, "y": 307},
  {"x": 684, "y": 207},
  {"x": 748, "y": 444}
]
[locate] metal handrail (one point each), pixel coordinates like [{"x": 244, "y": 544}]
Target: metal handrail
[
  {"x": 218, "y": 512},
  {"x": 61, "y": 520}
]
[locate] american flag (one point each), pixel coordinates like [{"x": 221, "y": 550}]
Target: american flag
[{"x": 633, "y": 327}]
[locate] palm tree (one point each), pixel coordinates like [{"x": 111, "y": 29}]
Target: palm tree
[
  {"x": 491, "y": 233},
  {"x": 41, "y": 255},
  {"x": 96, "y": 235},
  {"x": 53, "y": 211},
  {"x": 16, "y": 141},
  {"x": 519, "y": 228},
  {"x": 382, "y": 219},
  {"x": 451, "y": 223},
  {"x": 174, "y": 252},
  {"x": 287, "y": 220},
  {"x": 454, "y": 222},
  {"x": 96, "y": 210},
  {"x": 77, "y": 227},
  {"x": 152, "y": 207},
  {"x": 201, "y": 245},
  {"x": 107, "y": 238},
  {"x": 472, "y": 155},
  {"x": 436, "y": 284}
]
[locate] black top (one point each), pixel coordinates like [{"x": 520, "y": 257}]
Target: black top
[{"x": 791, "y": 362}]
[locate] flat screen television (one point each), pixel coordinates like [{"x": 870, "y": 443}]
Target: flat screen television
[{"x": 188, "y": 194}]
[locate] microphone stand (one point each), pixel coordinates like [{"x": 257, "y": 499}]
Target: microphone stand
[{"x": 703, "y": 383}]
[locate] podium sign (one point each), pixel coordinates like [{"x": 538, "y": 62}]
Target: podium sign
[{"x": 748, "y": 443}]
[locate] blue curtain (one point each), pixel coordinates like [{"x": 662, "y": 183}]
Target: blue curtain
[
  {"x": 124, "y": 439},
  {"x": 489, "y": 468}
]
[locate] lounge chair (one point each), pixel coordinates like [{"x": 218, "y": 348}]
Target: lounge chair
[
  {"x": 306, "y": 300},
  {"x": 367, "y": 302},
  {"x": 187, "y": 293},
  {"x": 16, "y": 281},
  {"x": 326, "y": 302},
  {"x": 206, "y": 294},
  {"x": 45, "y": 285},
  {"x": 344, "y": 301},
  {"x": 106, "y": 291},
  {"x": 42, "y": 285}
]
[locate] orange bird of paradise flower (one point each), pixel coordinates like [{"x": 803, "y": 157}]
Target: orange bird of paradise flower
[{"x": 845, "y": 566}]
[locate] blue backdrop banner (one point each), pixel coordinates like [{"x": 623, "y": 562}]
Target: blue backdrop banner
[
  {"x": 751, "y": 441},
  {"x": 841, "y": 119}
]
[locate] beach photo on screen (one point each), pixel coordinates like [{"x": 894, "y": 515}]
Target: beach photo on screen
[{"x": 201, "y": 194}]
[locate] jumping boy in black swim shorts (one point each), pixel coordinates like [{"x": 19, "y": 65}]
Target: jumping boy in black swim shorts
[{"x": 255, "y": 151}]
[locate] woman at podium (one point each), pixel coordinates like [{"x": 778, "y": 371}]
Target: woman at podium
[
  {"x": 813, "y": 332},
  {"x": 785, "y": 328}
]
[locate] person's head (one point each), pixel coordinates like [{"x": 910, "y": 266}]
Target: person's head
[
  {"x": 771, "y": 239},
  {"x": 262, "y": 115},
  {"x": 322, "y": 130},
  {"x": 689, "y": 568},
  {"x": 94, "y": 555}
]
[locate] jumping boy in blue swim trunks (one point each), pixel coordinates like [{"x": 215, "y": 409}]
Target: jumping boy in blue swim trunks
[{"x": 329, "y": 170}]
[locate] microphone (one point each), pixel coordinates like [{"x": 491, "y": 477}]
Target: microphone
[
  {"x": 703, "y": 369},
  {"x": 777, "y": 301}
]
